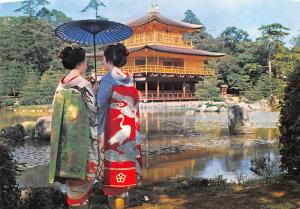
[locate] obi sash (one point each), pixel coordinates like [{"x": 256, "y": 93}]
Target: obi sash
[{"x": 122, "y": 164}]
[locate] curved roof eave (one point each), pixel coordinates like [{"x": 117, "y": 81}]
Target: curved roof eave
[
  {"x": 169, "y": 49},
  {"x": 178, "y": 50},
  {"x": 162, "y": 19}
]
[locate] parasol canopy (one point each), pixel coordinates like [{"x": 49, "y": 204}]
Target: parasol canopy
[{"x": 92, "y": 32}]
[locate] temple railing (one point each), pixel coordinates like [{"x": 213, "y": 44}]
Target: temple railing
[
  {"x": 166, "y": 70},
  {"x": 166, "y": 96},
  {"x": 158, "y": 39}
]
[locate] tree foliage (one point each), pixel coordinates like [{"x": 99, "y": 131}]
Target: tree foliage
[
  {"x": 29, "y": 42},
  {"x": 266, "y": 87},
  {"x": 231, "y": 37},
  {"x": 244, "y": 69},
  {"x": 245, "y": 66},
  {"x": 48, "y": 85},
  {"x": 54, "y": 16},
  {"x": 201, "y": 39},
  {"x": 296, "y": 40},
  {"x": 29, "y": 7},
  {"x": 273, "y": 32},
  {"x": 95, "y": 5},
  {"x": 190, "y": 17},
  {"x": 9, "y": 191},
  {"x": 11, "y": 78},
  {"x": 31, "y": 92},
  {"x": 290, "y": 123},
  {"x": 27, "y": 45},
  {"x": 208, "y": 90},
  {"x": 272, "y": 35}
]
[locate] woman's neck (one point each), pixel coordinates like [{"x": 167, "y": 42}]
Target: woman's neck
[
  {"x": 110, "y": 68},
  {"x": 75, "y": 72}
]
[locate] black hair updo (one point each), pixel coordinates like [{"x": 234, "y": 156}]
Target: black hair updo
[
  {"x": 72, "y": 57},
  {"x": 116, "y": 54}
]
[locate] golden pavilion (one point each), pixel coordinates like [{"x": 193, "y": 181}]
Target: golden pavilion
[{"x": 164, "y": 66}]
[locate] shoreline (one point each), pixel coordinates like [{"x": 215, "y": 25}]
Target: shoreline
[
  {"x": 274, "y": 192},
  {"x": 169, "y": 105}
]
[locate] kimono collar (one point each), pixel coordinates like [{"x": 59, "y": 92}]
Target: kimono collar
[
  {"x": 121, "y": 78},
  {"x": 75, "y": 81}
]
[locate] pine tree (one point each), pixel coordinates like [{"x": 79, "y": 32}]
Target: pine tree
[
  {"x": 31, "y": 92},
  {"x": 208, "y": 89},
  {"x": 48, "y": 84},
  {"x": 273, "y": 35},
  {"x": 38, "y": 49},
  {"x": 190, "y": 17},
  {"x": 95, "y": 5},
  {"x": 54, "y": 16},
  {"x": 29, "y": 7},
  {"x": 11, "y": 79}
]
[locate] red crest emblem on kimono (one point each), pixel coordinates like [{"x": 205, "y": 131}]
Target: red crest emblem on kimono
[{"x": 122, "y": 165}]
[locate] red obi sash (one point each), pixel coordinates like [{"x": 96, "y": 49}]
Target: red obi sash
[{"x": 122, "y": 141}]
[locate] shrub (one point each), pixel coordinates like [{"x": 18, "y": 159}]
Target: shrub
[
  {"x": 208, "y": 90},
  {"x": 45, "y": 198},
  {"x": 9, "y": 192},
  {"x": 9, "y": 102},
  {"x": 290, "y": 126},
  {"x": 217, "y": 181},
  {"x": 265, "y": 167},
  {"x": 254, "y": 95}
]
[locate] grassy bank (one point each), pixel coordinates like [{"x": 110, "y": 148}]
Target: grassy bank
[
  {"x": 276, "y": 193},
  {"x": 31, "y": 108}
]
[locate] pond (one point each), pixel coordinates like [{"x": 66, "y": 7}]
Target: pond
[{"x": 174, "y": 144}]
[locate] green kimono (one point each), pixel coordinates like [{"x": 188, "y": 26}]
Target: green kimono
[{"x": 70, "y": 134}]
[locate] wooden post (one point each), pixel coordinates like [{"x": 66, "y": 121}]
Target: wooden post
[
  {"x": 146, "y": 61},
  {"x": 146, "y": 90},
  {"x": 158, "y": 90},
  {"x": 172, "y": 87},
  {"x": 183, "y": 89}
]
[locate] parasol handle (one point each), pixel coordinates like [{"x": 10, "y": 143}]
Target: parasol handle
[{"x": 95, "y": 58}]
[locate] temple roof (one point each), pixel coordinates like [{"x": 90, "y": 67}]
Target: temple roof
[
  {"x": 170, "y": 49},
  {"x": 155, "y": 15},
  {"x": 177, "y": 50}
]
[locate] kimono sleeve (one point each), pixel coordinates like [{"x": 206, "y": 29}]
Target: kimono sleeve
[
  {"x": 138, "y": 144},
  {"x": 91, "y": 103},
  {"x": 58, "y": 105},
  {"x": 104, "y": 94}
]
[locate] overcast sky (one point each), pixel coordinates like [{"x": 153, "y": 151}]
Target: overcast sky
[{"x": 216, "y": 15}]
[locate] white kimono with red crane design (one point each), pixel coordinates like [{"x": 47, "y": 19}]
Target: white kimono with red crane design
[{"x": 122, "y": 141}]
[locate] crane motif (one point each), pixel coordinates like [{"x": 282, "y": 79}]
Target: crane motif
[{"x": 121, "y": 135}]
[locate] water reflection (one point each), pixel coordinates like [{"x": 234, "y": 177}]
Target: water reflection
[
  {"x": 10, "y": 117},
  {"x": 178, "y": 144}
]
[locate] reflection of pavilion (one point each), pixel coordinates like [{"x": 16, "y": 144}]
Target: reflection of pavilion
[
  {"x": 165, "y": 66},
  {"x": 158, "y": 163}
]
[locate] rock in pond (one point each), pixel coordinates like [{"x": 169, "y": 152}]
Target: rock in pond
[
  {"x": 42, "y": 128},
  {"x": 14, "y": 132},
  {"x": 238, "y": 120},
  {"x": 212, "y": 109}
]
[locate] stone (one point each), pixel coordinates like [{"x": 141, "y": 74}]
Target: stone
[
  {"x": 202, "y": 108},
  {"x": 245, "y": 106},
  {"x": 29, "y": 128},
  {"x": 212, "y": 109},
  {"x": 190, "y": 112},
  {"x": 42, "y": 128},
  {"x": 238, "y": 120},
  {"x": 14, "y": 132}
]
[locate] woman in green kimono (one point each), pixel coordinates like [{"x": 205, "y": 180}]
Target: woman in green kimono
[{"x": 74, "y": 141}]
